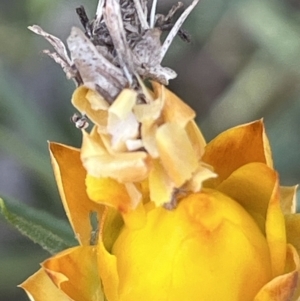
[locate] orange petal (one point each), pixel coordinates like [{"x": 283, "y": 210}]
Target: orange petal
[
  {"x": 177, "y": 155},
  {"x": 39, "y": 287},
  {"x": 292, "y": 222},
  {"x": 251, "y": 185},
  {"x": 107, "y": 265},
  {"x": 125, "y": 198},
  {"x": 175, "y": 110},
  {"x": 235, "y": 148},
  {"x": 75, "y": 272},
  {"x": 288, "y": 199},
  {"x": 282, "y": 288},
  {"x": 70, "y": 177},
  {"x": 275, "y": 233}
]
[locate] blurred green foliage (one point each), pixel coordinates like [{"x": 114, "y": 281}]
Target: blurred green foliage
[{"x": 243, "y": 64}]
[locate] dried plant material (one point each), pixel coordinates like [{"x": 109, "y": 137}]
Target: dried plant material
[
  {"x": 152, "y": 13},
  {"x": 69, "y": 71},
  {"x": 54, "y": 41},
  {"x": 96, "y": 71},
  {"x": 147, "y": 54},
  {"x": 176, "y": 28},
  {"x": 61, "y": 55},
  {"x": 114, "y": 23},
  {"x": 118, "y": 47}
]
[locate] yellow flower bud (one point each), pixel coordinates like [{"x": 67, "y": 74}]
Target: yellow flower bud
[{"x": 208, "y": 248}]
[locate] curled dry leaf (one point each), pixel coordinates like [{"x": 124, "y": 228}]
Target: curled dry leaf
[{"x": 118, "y": 46}]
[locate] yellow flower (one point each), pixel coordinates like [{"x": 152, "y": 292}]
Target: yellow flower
[{"x": 178, "y": 219}]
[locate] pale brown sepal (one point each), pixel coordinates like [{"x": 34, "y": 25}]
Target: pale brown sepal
[
  {"x": 288, "y": 199},
  {"x": 282, "y": 288}
]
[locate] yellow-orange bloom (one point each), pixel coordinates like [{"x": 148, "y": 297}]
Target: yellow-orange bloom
[
  {"x": 194, "y": 253},
  {"x": 179, "y": 220}
]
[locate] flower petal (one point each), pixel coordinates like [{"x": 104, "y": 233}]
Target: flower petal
[
  {"x": 39, "y": 287},
  {"x": 148, "y": 111},
  {"x": 107, "y": 266},
  {"x": 75, "y": 272},
  {"x": 124, "y": 103},
  {"x": 282, "y": 288},
  {"x": 235, "y": 148},
  {"x": 275, "y": 232},
  {"x": 182, "y": 254},
  {"x": 261, "y": 200},
  {"x": 148, "y": 131},
  {"x": 196, "y": 138},
  {"x": 160, "y": 185},
  {"x": 175, "y": 110},
  {"x": 70, "y": 177},
  {"x": 123, "y": 167},
  {"x": 292, "y": 222},
  {"x": 253, "y": 194},
  {"x": 92, "y": 104},
  {"x": 109, "y": 192},
  {"x": 203, "y": 173},
  {"x": 122, "y": 124},
  {"x": 177, "y": 155},
  {"x": 122, "y": 130}
]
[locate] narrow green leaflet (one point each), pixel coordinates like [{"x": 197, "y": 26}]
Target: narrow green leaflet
[{"x": 50, "y": 233}]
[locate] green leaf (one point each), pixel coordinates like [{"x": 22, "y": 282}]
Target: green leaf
[{"x": 50, "y": 233}]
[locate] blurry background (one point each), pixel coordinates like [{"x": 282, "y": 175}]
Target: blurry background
[{"x": 243, "y": 64}]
